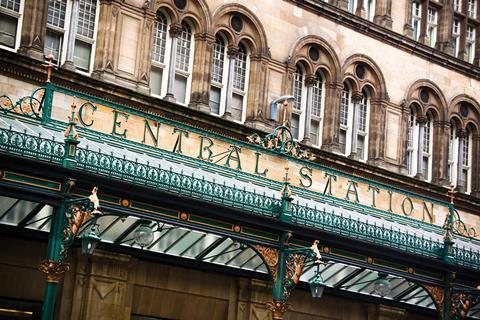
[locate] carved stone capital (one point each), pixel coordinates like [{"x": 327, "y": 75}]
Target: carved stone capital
[
  {"x": 357, "y": 96},
  {"x": 232, "y": 51},
  {"x": 53, "y": 269},
  {"x": 175, "y": 30},
  {"x": 278, "y": 308},
  {"x": 462, "y": 133},
  {"x": 422, "y": 120},
  {"x": 205, "y": 36},
  {"x": 310, "y": 80}
]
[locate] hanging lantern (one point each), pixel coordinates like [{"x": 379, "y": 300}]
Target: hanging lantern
[
  {"x": 143, "y": 235},
  {"x": 90, "y": 241}
]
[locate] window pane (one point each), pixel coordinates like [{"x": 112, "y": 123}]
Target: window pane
[
  {"x": 156, "y": 81},
  {"x": 466, "y": 151},
  {"x": 10, "y": 4},
  {"x": 81, "y": 55},
  {"x": 56, "y": 13},
  {"x": 342, "y": 140},
  {"x": 240, "y": 69},
  {"x": 432, "y": 26},
  {"x": 425, "y": 167},
  {"x": 297, "y": 88},
  {"x": 159, "y": 38},
  {"x": 180, "y": 88},
  {"x": 295, "y": 125},
  {"x": 344, "y": 106},
  {"x": 86, "y": 18},
  {"x": 237, "y": 106},
  {"x": 472, "y": 8},
  {"x": 314, "y": 132},
  {"x": 410, "y": 162},
  {"x": 53, "y": 44},
  {"x": 317, "y": 97},
  {"x": 183, "y": 49},
  {"x": 361, "y": 146},
  {"x": 362, "y": 116},
  {"x": 218, "y": 60},
  {"x": 426, "y": 137},
  {"x": 411, "y": 125},
  {"x": 8, "y": 30},
  {"x": 215, "y": 94}
]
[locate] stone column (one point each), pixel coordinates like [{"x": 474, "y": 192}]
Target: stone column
[
  {"x": 475, "y": 166},
  {"x": 342, "y": 4},
  {"x": 331, "y": 116},
  {"x": 356, "y": 97},
  {"x": 381, "y": 312},
  {"x": 34, "y": 28},
  {"x": 423, "y": 29},
  {"x": 232, "y": 52},
  {"x": 252, "y": 295},
  {"x": 257, "y": 104},
  {"x": 175, "y": 31},
  {"x": 310, "y": 81},
  {"x": 202, "y": 67},
  {"x": 100, "y": 287},
  {"x": 421, "y": 121},
  {"x": 72, "y": 33},
  {"x": 461, "y": 135},
  {"x": 407, "y": 27},
  {"x": 376, "y": 132},
  {"x": 445, "y": 28},
  {"x": 441, "y": 132},
  {"x": 103, "y": 65},
  {"x": 383, "y": 13},
  {"x": 145, "y": 55},
  {"x": 360, "y": 10}
]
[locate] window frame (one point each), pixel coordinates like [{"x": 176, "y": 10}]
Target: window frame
[
  {"x": 165, "y": 65},
  {"x": 18, "y": 32}
]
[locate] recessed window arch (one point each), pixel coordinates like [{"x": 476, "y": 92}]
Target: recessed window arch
[
  {"x": 308, "y": 106},
  {"x": 229, "y": 80},
  {"x": 354, "y": 121},
  {"x": 172, "y": 59},
  {"x": 419, "y": 149},
  {"x": 460, "y": 144},
  {"x": 79, "y": 51}
]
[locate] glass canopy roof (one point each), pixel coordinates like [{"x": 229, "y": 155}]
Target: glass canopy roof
[{"x": 219, "y": 250}]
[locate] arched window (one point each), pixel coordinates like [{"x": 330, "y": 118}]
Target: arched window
[
  {"x": 345, "y": 120},
  {"x": 217, "y": 91},
  {"x": 460, "y": 157},
  {"x": 307, "y": 113},
  {"x": 240, "y": 83},
  {"x": 229, "y": 82},
  {"x": 427, "y": 149},
  {"x": 299, "y": 101},
  {"x": 183, "y": 64},
  {"x": 171, "y": 71},
  {"x": 159, "y": 56},
  {"x": 412, "y": 142},
  {"x": 58, "y": 38},
  {"x": 354, "y": 121},
  {"x": 316, "y": 110}
]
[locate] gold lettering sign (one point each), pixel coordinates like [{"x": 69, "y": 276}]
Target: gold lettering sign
[{"x": 133, "y": 127}]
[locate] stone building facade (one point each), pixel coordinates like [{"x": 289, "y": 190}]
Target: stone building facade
[{"x": 381, "y": 89}]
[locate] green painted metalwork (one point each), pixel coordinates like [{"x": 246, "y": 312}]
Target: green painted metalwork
[
  {"x": 197, "y": 187},
  {"x": 29, "y": 106},
  {"x": 170, "y": 181},
  {"x": 36, "y": 147},
  {"x": 379, "y": 234}
]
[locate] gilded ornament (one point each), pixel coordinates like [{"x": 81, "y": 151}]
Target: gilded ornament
[
  {"x": 53, "y": 269},
  {"x": 270, "y": 255},
  {"x": 278, "y": 308}
]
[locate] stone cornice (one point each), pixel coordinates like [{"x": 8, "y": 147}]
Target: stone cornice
[{"x": 389, "y": 37}]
